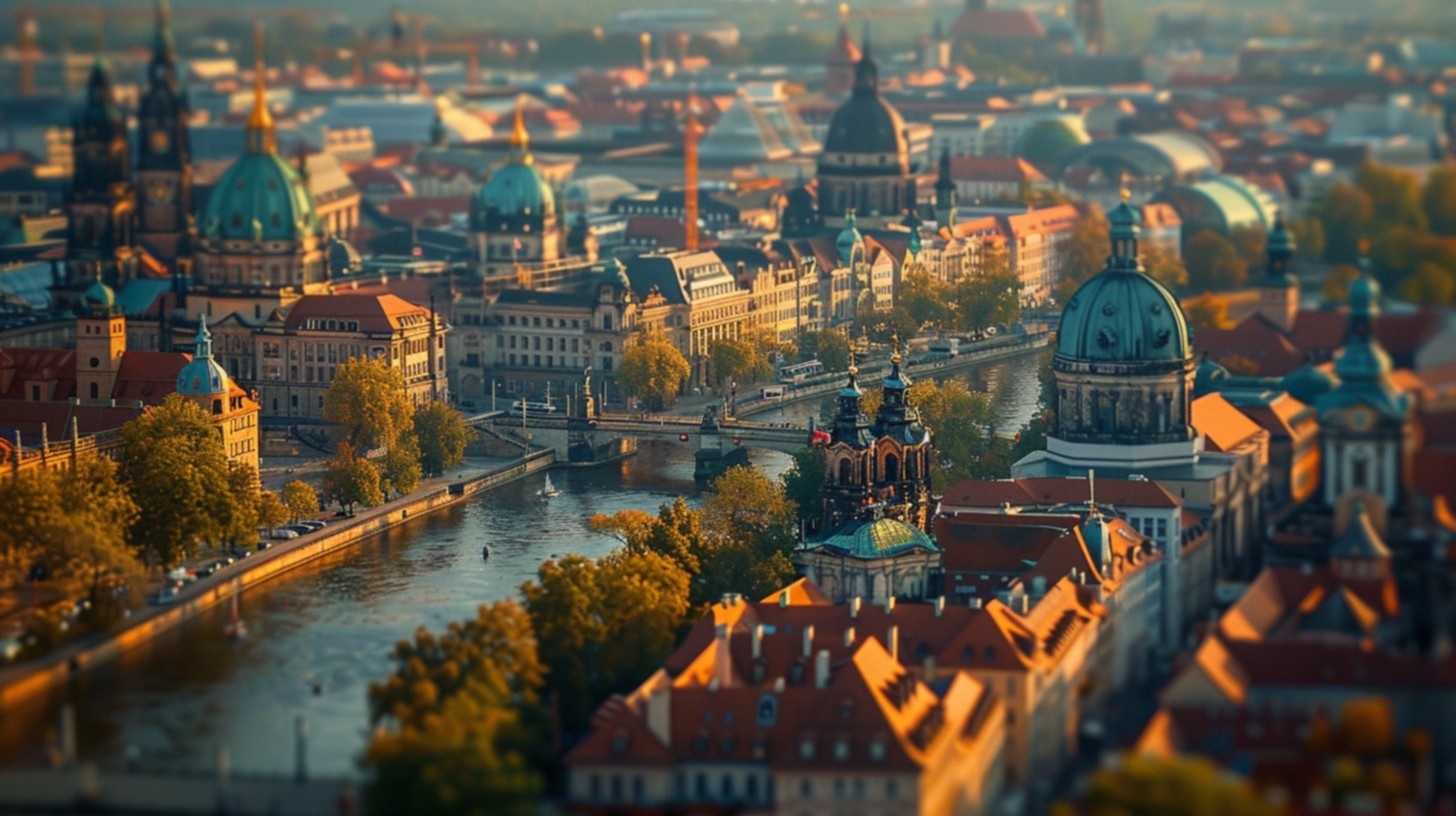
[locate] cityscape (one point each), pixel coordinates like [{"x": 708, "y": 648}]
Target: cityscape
[{"x": 930, "y": 407}]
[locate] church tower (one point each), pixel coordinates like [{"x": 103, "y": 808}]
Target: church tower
[
  {"x": 164, "y": 168},
  {"x": 100, "y": 343},
  {"x": 902, "y": 450},
  {"x": 513, "y": 216},
  {"x": 849, "y": 458},
  {"x": 101, "y": 203},
  {"x": 840, "y": 61},
  {"x": 945, "y": 193},
  {"x": 1279, "y": 291}
]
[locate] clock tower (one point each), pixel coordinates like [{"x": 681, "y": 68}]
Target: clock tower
[{"x": 164, "y": 167}]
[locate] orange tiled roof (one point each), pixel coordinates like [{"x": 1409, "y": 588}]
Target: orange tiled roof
[
  {"x": 1223, "y": 426},
  {"x": 375, "y": 313}
]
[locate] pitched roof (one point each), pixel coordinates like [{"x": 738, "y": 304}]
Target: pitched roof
[
  {"x": 379, "y": 314},
  {"x": 1224, "y": 427},
  {"x": 1050, "y": 491}
]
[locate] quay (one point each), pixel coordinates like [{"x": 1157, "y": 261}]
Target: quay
[{"x": 28, "y": 678}]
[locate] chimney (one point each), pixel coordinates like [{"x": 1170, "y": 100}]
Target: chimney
[
  {"x": 849, "y": 637},
  {"x": 854, "y": 607},
  {"x": 821, "y": 669},
  {"x": 975, "y": 602},
  {"x": 659, "y": 714},
  {"x": 889, "y": 604},
  {"x": 808, "y": 640},
  {"x": 1025, "y": 603},
  {"x": 927, "y": 668},
  {"x": 940, "y": 606},
  {"x": 757, "y": 641},
  {"x": 722, "y": 657},
  {"x": 892, "y": 639}
]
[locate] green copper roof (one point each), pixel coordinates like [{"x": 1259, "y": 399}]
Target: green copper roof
[
  {"x": 99, "y": 294},
  {"x": 1123, "y": 316},
  {"x": 260, "y": 197},
  {"x": 517, "y": 189},
  {"x": 881, "y": 538}
]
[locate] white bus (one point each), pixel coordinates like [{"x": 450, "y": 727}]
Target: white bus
[
  {"x": 527, "y": 407},
  {"x": 798, "y": 372},
  {"x": 769, "y": 392}
]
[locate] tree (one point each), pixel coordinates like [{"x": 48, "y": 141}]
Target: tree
[
  {"x": 443, "y": 437},
  {"x": 1438, "y": 200},
  {"x": 301, "y": 499},
  {"x": 1336, "y": 286},
  {"x": 1395, "y": 196},
  {"x": 176, "y": 469},
  {"x": 989, "y": 297},
  {"x": 751, "y": 527},
  {"x": 368, "y": 401},
  {"x": 653, "y": 371},
  {"x": 1047, "y": 142},
  {"x": 833, "y": 349},
  {"x": 962, "y": 421},
  {"x": 239, "y": 517},
  {"x": 1430, "y": 285},
  {"x": 1250, "y": 242},
  {"x": 925, "y": 299},
  {"x": 89, "y": 547},
  {"x": 1170, "y": 787},
  {"x": 738, "y": 360},
  {"x": 1165, "y": 266},
  {"x": 350, "y": 481},
  {"x": 1085, "y": 251},
  {"x": 1346, "y": 213},
  {"x": 272, "y": 511},
  {"x": 603, "y": 626},
  {"x": 1213, "y": 263},
  {"x": 804, "y": 485},
  {"x": 400, "y": 471},
  {"x": 1309, "y": 237},
  {"x": 458, "y": 723},
  {"x": 1208, "y": 311}
]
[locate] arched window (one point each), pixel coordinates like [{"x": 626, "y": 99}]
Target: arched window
[
  {"x": 845, "y": 470},
  {"x": 892, "y": 468},
  {"x": 95, "y": 391}
]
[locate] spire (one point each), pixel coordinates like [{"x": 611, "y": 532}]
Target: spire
[
  {"x": 520, "y": 139},
  {"x": 1280, "y": 249},
  {"x": 164, "y": 51},
  {"x": 262, "y": 138},
  {"x": 851, "y": 426},
  {"x": 202, "y": 343},
  {"x": 943, "y": 180},
  {"x": 866, "y": 71},
  {"x": 438, "y": 135}
]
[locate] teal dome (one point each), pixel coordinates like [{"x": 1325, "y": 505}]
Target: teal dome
[
  {"x": 1208, "y": 377},
  {"x": 1308, "y": 383},
  {"x": 1121, "y": 315},
  {"x": 1364, "y": 296},
  {"x": 848, "y": 239},
  {"x": 614, "y": 271},
  {"x": 202, "y": 375},
  {"x": 260, "y": 197},
  {"x": 880, "y": 538},
  {"x": 517, "y": 189},
  {"x": 99, "y": 294}
]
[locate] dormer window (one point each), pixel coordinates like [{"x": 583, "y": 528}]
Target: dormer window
[{"x": 806, "y": 748}]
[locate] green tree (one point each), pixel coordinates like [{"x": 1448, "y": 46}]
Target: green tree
[
  {"x": 1395, "y": 196},
  {"x": 1309, "y": 237},
  {"x": 738, "y": 360},
  {"x": 301, "y": 499},
  {"x": 368, "y": 401},
  {"x": 1346, "y": 213},
  {"x": 962, "y": 422},
  {"x": 1169, "y": 787},
  {"x": 1165, "y": 266},
  {"x": 239, "y": 517},
  {"x": 1085, "y": 251},
  {"x": 1336, "y": 286},
  {"x": 833, "y": 349},
  {"x": 176, "y": 469},
  {"x": 989, "y": 297},
  {"x": 1438, "y": 200},
  {"x": 400, "y": 469},
  {"x": 272, "y": 511},
  {"x": 925, "y": 299},
  {"x": 653, "y": 371},
  {"x": 443, "y": 437},
  {"x": 751, "y": 527},
  {"x": 1047, "y": 142},
  {"x": 350, "y": 480},
  {"x": 458, "y": 724},
  {"x": 1213, "y": 263},
  {"x": 1207, "y": 311},
  {"x": 1250, "y": 243},
  {"x": 1431, "y": 285},
  {"x": 804, "y": 485}
]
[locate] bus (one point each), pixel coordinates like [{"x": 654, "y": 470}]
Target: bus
[
  {"x": 528, "y": 407},
  {"x": 769, "y": 392},
  {"x": 944, "y": 348},
  {"x": 798, "y": 372}
]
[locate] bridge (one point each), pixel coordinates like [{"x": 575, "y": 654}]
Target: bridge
[{"x": 718, "y": 442}]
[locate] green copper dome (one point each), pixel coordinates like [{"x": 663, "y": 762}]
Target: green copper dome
[
  {"x": 1308, "y": 383},
  {"x": 260, "y": 198},
  {"x": 99, "y": 294},
  {"x": 1121, "y": 315},
  {"x": 848, "y": 239},
  {"x": 1208, "y": 377},
  {"x": 517, "y": 189},
  {"x": 881, "y": 538},
  {"x": 203, "y": 375}
]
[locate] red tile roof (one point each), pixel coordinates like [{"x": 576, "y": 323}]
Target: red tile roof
[
  {"x": 380, "y": 314},
  {"x": 1223, "y": 426},
  {"x": 1046, "y": 492}
]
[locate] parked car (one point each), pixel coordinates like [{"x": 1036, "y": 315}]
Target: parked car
[
  {"x": 299, "y": 529},
  {"x": 263, "y": 545},
  {"x": 240, "y": 553},
  {"x": 167, "y": 595},
  {"x": 313, "y": 526},
  {"x": 283, "y": 533},
  {"x": 207, "y": 571}
]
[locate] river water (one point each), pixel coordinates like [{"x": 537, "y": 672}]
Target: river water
[{"x": 320, "y": 634}]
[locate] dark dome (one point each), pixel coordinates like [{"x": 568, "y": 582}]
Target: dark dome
[
  {"x": 866, "y": 125},
  {"x": 1308, "y": 383}
]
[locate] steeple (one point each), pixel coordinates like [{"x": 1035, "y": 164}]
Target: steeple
[
  {"x": 851, "y": 425},
  {"x": 438, "y": 135},
  {"x": 262, "y": 137},
  {"x": 1279, "y": 291},
  {"x": 202, "y": 343},
  {"x": 1280, "y": 249},
  {"x": 163, "y": 68},
  {"x": 866, "y": 71},
  {"x": 945, "y": 192},
  {"x": 897, "y": 417},
  {"x": 520, "y": 139}
]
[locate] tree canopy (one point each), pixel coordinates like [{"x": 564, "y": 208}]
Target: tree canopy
[
  {"x": 653, "y": 371},
  {"x": 301, "y": 499},
  {"x": 1168, "y": 787},
  {"x": 443, "y": 437},
  {"x": 368, "y": 401},
  {"x": 352, "y": 480},
  {"x": 1214, "y": 263}
]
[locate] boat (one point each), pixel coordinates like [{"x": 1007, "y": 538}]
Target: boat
[
  {"x": 485, "y": 553},
  {"x": 236, "y": 628},
  {"x": 548, "y": 490}
]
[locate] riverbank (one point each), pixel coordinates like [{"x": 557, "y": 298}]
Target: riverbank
[{"x": 21, "y": 681}]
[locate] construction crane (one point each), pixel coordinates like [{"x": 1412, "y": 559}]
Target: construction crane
[
  {"x": 692, "y": 132},
  {"x": 27, "y": 33},
  {"x": 401, "y": 48}
]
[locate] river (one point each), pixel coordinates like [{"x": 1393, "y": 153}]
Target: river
[{"x": 319, "y": 635}]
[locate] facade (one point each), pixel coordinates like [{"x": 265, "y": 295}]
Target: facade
[
  {"x": 298, "y": 354},
  {"x": 694, "y": 299},
  {"x": 164, "y": 166}
]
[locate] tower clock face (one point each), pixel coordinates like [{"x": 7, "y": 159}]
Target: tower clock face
[
  {"x": 1361, "y": 420},
  {"x": 160, "y": 141},
  {"x": 159, "y": 191}
]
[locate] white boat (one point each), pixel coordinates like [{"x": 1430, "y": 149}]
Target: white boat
[
  {"x": 236, "y": 629},
  {"x": 548, "y": 490}
]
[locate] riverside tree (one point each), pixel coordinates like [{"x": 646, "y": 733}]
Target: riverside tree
[
  {"x": 443, "y": 437},
  {"x": 367, "y": 400},
  {"x": 301, "y": 499},
  {"x": 352, "y": 480},
  {"x": 653, "y": 371},
  {"x": 177, "y": 472}
]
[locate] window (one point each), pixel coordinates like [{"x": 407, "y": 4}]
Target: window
[
  {"x": 892, "y": 788},
  {"x": 95, "y": 391},
  {"x": 806, "y": 789},
  {"x": 1359, "y": 473}
]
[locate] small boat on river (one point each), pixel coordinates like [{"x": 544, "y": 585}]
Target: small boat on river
[
  {"x": 236, "y": 629},
  {"x": 548, "y": 490}
]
